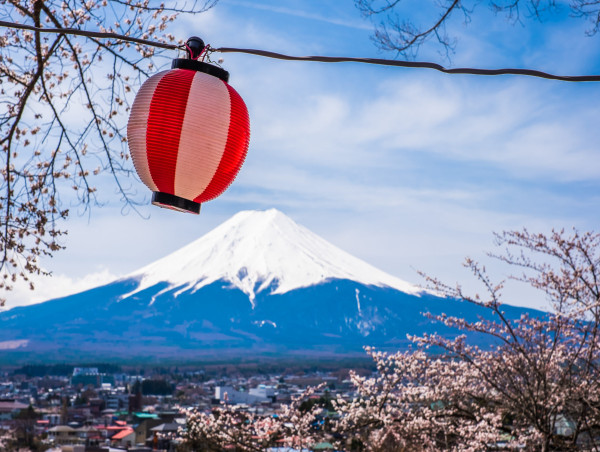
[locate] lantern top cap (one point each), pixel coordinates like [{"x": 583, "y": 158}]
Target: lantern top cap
[
  {"x": 200, "y": 66},
  {"x": 194, "y": 47}
]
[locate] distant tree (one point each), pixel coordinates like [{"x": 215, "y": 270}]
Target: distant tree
[
  {"x": 42, "y": 370},
  {"x": 65, "y": 101},
  {"x": 24, "y": 424},
  {"x": 323, "y": 401},
  {"x": 137, "y": 387},
  {"x": 397, "y": 31},
  {"x": 152, "y": 387},
  {"x": 80, "y": 399}
]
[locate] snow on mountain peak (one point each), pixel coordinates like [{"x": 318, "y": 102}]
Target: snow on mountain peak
[{"x": 254, "y": 250}]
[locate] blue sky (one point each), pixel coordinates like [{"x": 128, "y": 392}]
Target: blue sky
[{"x": 408, "y": 169}]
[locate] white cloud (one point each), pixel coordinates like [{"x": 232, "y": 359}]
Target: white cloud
[
  {"x": 304, "y": 14},
  {"x": 55, "y": 286},
  {"x": 516, "y": 127}
]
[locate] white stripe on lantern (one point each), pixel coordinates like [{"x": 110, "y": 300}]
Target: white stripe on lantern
[
  {"x": 137, "y": 126},
  {"x": 203, "y": 135}
]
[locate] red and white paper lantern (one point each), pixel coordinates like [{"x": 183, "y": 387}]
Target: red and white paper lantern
[{"x": 188, "y": 134}]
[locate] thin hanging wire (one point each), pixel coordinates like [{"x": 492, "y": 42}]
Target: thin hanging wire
[
  {"x": 322, "y": 59},
  {"x": 415, "y": 64}
]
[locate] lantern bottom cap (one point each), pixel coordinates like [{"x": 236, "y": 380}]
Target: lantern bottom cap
[{"x": 173, "y": 202}]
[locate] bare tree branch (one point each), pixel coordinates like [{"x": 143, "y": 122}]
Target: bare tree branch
[
  {"x": 66, "y": 94},
  {"x": 397, "y": 32}
]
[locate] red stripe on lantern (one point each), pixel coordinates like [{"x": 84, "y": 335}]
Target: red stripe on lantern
[
  {"x": 238, "y": 139},
  {"x": 167, "y": 111}
]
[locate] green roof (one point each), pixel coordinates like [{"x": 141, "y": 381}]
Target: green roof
[
  {"x": 140, "y": 415},
  {"x": 323, "y": 446},
  {"x": 146, "y": 415}
]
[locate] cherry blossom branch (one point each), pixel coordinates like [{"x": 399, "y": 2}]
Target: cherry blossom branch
[{"x": 91, "y": 34}]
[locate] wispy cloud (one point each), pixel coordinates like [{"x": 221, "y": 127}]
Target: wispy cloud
[
  {"x": 303, "y": 14},
  {"x": 527, "y": 130}
]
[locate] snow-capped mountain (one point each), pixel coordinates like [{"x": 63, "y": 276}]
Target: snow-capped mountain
[
  {"x": 258, "y": 284},
  {"x": 259, "y": 250}
]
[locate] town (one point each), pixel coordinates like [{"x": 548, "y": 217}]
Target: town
[{"x": 108, "y": 409}]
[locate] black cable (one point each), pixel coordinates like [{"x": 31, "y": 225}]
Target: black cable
[
  {"x": 415, "y": 64},
  {"x": 322, "y": 59}
]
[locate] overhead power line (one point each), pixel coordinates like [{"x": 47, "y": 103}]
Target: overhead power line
[
  {"x": 416, "y": 64},
  {"x": 322, "y": 59}
]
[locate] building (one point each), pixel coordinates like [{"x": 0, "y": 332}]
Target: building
[
  {"x": 10, "y": 407},
  {"x": 260, "y": 394},
  {"x": 87, "y": 376},
  {"x": 63, "y": 434}
]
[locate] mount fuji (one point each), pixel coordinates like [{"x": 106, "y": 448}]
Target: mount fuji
[
  {"x": 256, "y": 252},
  {"x": 259, "y": 284}
]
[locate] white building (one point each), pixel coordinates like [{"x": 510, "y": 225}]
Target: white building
[{"x": 260, "y": 394}]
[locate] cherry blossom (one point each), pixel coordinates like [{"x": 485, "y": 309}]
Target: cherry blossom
[{"x": 535, "y": 388}]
